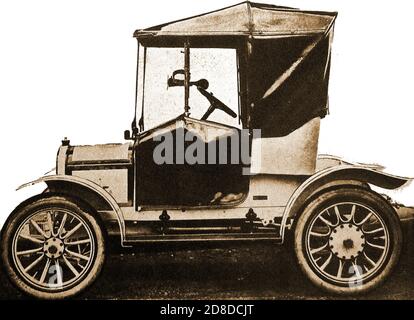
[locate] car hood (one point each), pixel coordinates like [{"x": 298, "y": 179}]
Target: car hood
[{"x": 102, "y": 153}]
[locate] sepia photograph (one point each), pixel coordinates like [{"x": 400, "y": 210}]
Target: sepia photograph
[{"x": 220, "y": 153}]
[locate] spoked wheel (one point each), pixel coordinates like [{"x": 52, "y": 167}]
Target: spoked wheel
[
  {"x": 348, "y": 240},
  {"x": 53, "y": 248}
]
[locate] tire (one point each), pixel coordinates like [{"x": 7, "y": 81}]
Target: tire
[
  {"x": 52, "y": 247},
  {"x": 358, "y": 256}
]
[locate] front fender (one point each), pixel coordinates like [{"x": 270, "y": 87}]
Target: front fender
[
  {"x": 344, "y": 175},
  {"x": 91, "y": 186}
]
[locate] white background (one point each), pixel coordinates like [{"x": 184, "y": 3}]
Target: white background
[{"x": 67, "y": 69}]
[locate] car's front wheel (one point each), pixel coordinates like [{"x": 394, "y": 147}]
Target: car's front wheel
[
  {"x": 52, "y": 247},
  {"x": 348, "y": 240}
]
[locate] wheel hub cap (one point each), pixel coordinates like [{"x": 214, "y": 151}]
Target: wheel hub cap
[
  {"x": 54, "y": 248},
  {"x": 347, "y": 241}
]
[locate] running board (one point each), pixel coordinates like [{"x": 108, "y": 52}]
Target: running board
[{"x": 203, "y": 237}]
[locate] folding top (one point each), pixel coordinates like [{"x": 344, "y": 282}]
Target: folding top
[
  {"x": 284, "y": 56},
  {"x": 246, "y": 19}
]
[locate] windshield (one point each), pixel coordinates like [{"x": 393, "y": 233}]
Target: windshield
[{"x": 161, "y": 104}]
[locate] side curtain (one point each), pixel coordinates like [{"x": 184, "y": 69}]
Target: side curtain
[{"x": 288, "y": 83}]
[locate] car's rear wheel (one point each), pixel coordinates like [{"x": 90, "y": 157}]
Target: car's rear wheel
[
  {"x": 53, "y": 247},
  {"x": 348, "y": 240}
]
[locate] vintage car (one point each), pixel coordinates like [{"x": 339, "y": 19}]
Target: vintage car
[{"x": 169, "y": 183}]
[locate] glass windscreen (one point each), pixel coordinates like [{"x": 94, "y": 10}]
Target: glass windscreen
[{"x": 161, "y": 104}]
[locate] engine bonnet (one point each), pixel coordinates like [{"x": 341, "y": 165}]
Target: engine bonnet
[
  {"x": 105, "y": 153},
  {"x": 73, "y": 157}
]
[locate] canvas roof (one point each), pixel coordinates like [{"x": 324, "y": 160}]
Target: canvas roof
[{"x": 247, "y": 19}]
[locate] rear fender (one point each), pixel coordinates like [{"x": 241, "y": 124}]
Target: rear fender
[{"x": 342, "y": 175}]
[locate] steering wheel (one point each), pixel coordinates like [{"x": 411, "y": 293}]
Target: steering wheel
[
  {"x": 214, "y": 104},
  {"x": 202, "y": 86}
]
